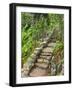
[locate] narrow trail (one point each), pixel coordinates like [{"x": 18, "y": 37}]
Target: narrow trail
[{"x": 42, "y": 66}]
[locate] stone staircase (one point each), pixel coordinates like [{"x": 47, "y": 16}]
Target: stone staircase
[
  {"x": 40, "y": 63},
  {"x": 42, "y": 66}
]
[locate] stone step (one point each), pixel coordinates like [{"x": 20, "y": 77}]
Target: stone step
[
  {"x": 45, "y": 57},
  {"x": 53, "y": 44},
  {"x": 40, "y": 60},
  {"x": 42, "y": 65},
  {"x": 46, "y": 54},
  {"x": 35, "y": 72},
  {"x": 47, "y": 50},
  {"x": 38, "y": 48}
]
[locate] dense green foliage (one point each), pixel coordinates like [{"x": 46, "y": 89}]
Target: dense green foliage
[
  {"x": 59, "y": 47},
  {"x": 37, "y": 26}
]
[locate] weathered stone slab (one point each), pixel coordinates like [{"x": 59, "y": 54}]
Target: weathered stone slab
[
  {"x": 47, "y": 49},
  {"x": 44, "y": 42},
  {"x": 40, "y": 60},
  {"x": 53, "y": 44},
  {"x": 42, "y": 65},
  {"x": 38, "y": 49},
  {"x": 45, "y": 57},
  {"x": 38, "y": 72},
  {"x": 46, "y": 54},
  {"x": 46, "y": 61}
]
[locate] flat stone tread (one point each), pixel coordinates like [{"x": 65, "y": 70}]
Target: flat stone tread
[
  {"x": 35, "y": 72},
  {"x": 38, "y": 48},
  {"x": 52, "y": 44},
  {"x": 46, "y": 54},
  {"x": 42, "y": 65},
  {"x": 40, "y": 60},
  {"x": 47, "y": 49},
  {"x": 45, "y": 57}
]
